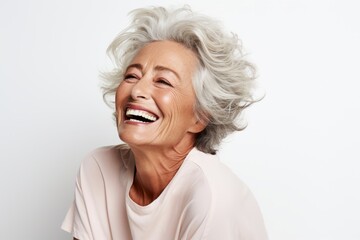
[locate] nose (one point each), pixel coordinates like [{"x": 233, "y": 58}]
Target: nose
[{"x": 142, "y": 88}]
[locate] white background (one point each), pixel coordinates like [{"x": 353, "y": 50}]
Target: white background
[{"x": 299, "y": 154}]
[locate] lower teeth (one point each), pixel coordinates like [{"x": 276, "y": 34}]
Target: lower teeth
[{"x": 135, "y": 120}]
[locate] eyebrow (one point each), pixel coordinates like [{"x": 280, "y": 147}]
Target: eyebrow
[{"x": 157, "y": 68}]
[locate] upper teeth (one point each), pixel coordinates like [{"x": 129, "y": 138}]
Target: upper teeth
[{"x": 140, "y": 113}]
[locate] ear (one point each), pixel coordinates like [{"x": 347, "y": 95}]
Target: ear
[{"x": 198, "y": 126}]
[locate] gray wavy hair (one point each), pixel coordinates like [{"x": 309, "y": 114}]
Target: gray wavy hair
[{"x": 224, "y": 80}]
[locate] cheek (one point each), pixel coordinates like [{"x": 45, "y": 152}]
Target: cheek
[
  {"x": 121, "y": 94},
  {"x": 121, "y": 97},
  {"x": 166, "y": 99},
  {"x": 170, "y": 103},
  {"x": 177, "y": 107}
]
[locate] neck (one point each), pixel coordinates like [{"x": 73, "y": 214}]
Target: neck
[{"x": 155, "y": 168}]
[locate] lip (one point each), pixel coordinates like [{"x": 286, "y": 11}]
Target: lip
[{"x": 137, "y": 107}]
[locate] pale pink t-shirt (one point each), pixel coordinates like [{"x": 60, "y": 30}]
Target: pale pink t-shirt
[{"x": 204, "y": 200}]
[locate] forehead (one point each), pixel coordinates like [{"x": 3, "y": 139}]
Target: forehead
[{"x": 167, "y": 54}]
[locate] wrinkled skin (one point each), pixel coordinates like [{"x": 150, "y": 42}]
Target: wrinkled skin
[{"x": 158, "y": 82}]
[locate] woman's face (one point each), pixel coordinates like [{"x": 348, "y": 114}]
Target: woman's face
[{"x": 155, "y": 101}]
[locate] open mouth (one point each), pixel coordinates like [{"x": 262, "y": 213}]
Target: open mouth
[{"x": 135, "y": 115}]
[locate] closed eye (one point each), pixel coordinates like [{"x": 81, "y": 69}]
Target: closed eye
[
  {"x": 130, "y": 77},
  {"x": 165, "y": 82}
]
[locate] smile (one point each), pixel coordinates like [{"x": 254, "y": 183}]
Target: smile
[{"x": 136, "y": 115}]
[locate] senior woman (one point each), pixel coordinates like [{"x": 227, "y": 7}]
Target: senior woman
[{"x": 179, "y": 85}]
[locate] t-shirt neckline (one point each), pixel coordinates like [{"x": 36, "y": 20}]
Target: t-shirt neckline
[{"x": 147, "y": 209}]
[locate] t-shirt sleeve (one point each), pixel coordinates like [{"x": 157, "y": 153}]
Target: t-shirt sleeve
[
  {"x": 86, "y": 217},
  {"x": 232, "y": 212},
  {"x": 76, "y": 221},
  {"x": 250, "y": 219},
  {"x": 241, "y": 221}
]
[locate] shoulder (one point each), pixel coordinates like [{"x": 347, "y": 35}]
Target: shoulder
[
  {"x": 220, "y": 178},
  {"x": 105, "y": 163},
  {"x": 233, "y": 211},
  {"x": 108, "y": 157},
  {"x": 211, "y": 184}
]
